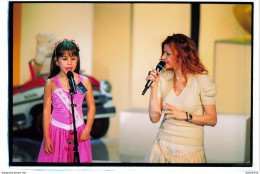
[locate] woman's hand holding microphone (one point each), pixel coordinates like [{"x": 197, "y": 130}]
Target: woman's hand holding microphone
[
  {"x": 169, "y": 110},
  {"x": 154, "y": 76}
]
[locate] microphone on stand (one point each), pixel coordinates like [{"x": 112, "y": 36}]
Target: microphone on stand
[
  {"x": 159, "y": 67},
  {"x": 72, "y": 84}
]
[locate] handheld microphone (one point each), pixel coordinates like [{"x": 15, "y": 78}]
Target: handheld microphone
[
  {"x": 159, "y": 67},
  {"x": 72, "y": 84}
]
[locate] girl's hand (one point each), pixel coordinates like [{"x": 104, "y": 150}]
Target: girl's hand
[
  {"x": 84, "y": 136},
  {"x": 172, "y": 112},
  {"x": 48, "y": 146},
  {"x": 154, "y": 76}
]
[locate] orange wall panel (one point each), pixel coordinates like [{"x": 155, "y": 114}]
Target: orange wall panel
[{"x": 17, "y": 11}]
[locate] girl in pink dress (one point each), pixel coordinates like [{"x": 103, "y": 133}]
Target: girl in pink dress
[{"x": 58, "y": 123}]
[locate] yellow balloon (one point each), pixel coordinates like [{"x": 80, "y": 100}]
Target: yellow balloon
[{"x": 243, "y": 14}]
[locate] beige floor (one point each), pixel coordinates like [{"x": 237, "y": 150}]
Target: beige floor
[{"x": 106, "y": 150}]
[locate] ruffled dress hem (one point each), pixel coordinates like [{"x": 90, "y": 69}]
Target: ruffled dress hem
[{"x": 165, "y": 152}]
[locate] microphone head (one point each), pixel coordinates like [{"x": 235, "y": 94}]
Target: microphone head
[
  {"x": 70, "y": 74},
  {"x": 160, "y": 66}
]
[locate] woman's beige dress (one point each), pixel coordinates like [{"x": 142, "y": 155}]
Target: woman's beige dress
[{"x": 180, "y": 141}]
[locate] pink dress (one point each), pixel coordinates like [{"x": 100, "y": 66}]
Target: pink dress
[{"x": 61, "y": 125}]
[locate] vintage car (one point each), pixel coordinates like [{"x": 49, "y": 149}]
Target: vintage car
[{"x": 28, "y": 105}]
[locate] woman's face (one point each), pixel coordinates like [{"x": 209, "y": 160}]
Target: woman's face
[{"x": 169, "y": 59}]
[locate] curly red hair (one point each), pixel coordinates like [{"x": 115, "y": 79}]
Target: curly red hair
[{"x": 186, "y": 52}]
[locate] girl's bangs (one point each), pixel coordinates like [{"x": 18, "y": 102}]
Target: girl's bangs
[
  {"x": 67, "y": 46},
  {"x": 72, "y": 52}
]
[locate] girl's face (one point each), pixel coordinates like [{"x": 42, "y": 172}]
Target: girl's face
[
  {"x": 67, "y": 62},
  {"x": 169, "y": 59}
]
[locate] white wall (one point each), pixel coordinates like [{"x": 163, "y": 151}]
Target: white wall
[
  {"x": 217, "y": 22},
  {"x": 229, "y": 141},
  {"x": 111, "y": 54},
  {"x": 127, "y": 44},
  {"x": 64, "y": 20},
  {"x": 152, "y": 23}
]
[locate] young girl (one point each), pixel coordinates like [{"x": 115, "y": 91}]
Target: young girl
[{"x": 58, "y": 123}]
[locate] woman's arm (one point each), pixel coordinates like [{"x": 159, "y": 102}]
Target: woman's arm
[
  {"x": 155, "y": 103},
  {"x": 209, "y": 119},
  {"x": 91, "y": 111},
  {"x": 48, "y": 146}
]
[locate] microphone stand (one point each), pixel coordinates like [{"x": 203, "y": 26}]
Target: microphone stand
[{"x": 75, "y": 148}]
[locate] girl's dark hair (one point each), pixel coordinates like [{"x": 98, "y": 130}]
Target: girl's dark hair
[
  {"x": 60, "y": 48},
  {"x": 186, "y": 52}
]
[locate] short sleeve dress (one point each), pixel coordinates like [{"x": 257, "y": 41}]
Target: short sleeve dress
[{"x": 179, "y": 141}]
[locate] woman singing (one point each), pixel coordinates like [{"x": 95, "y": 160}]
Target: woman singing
[{"x": 185, "y": 95}]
